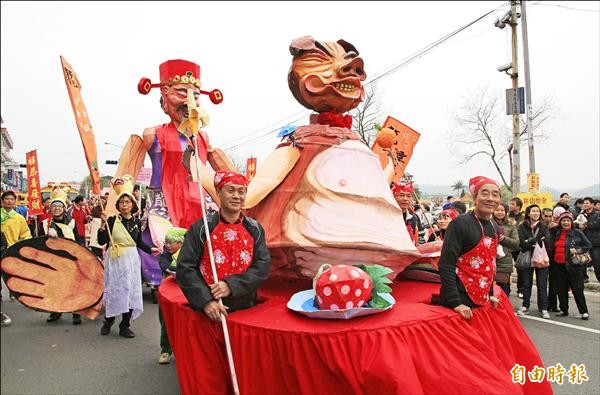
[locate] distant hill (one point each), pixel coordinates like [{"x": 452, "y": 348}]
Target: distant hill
[{"x": 446, "y": 190}]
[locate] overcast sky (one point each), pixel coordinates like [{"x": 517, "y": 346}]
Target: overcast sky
[{"x": 242, "y": 49}]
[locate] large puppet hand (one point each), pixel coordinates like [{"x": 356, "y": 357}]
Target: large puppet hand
[{"x": 51, "y": 280}]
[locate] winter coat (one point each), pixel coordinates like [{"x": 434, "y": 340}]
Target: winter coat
[
  {"x": 243, "y": 286},
  {"x": 526, "y": 239},
  {"x": 509, "y": 244},
  {"x": 575, "y": 239},
  {"x": 592, "y": 228}
]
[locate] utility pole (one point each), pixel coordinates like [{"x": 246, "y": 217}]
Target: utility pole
[
  {"x": 527, "y": 89},
  {"x": 514, "y": 75}
]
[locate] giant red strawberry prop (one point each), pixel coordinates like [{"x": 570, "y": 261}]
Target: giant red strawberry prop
[{"x": 346, "y": 286}]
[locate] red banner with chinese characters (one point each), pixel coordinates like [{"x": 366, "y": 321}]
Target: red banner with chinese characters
[
  {"x": 401, "y": 150},
  {"x": 83, "y": 124},
  {"x": 250, "y": 168},
  {"x": 34, "y": 193}
]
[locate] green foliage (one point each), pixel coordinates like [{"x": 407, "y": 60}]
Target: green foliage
[
  {"x": 505, "y": 194},
  {"x": 377, "y": 127},
  {"x": 378, "y": 274}
]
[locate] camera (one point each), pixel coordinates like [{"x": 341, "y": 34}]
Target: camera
[
  {"x": 505, "y": 67},
  {"x": 501, "y": 22}
]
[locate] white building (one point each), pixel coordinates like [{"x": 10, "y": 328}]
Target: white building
[{"x": 9, "y": 168}]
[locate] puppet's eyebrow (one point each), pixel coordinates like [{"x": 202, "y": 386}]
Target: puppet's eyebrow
[{"x": 322, "y": 48}]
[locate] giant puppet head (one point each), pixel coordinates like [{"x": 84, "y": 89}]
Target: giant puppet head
[
  {"x": 176, "y": 77},
  {"x": 326, "y": 76}
]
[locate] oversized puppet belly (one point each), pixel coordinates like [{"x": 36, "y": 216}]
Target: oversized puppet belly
[{"x": 340, "y": 210}]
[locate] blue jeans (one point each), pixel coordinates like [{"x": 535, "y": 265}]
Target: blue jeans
[{"x": 541, "y": 281}]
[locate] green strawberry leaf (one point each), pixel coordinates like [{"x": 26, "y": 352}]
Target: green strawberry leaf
[{"x": 378, "y": 302}]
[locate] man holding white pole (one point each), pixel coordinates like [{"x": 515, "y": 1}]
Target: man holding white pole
[{"x": 240, "y": 254}]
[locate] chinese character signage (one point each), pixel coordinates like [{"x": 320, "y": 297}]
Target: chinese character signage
[
  {"x": 83, "y": 124},
  {"x": 533, "y": 182},
  {"x": 544, "y": 200},
  {"x": 575, "y": 375},
  {"x": 250, "y": 168},
  {"x": 34, "y": 193},
  {"x": 402, "y": 148}
]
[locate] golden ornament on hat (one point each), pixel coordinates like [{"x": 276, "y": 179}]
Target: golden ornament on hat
[{"x": 58, "y": 194}]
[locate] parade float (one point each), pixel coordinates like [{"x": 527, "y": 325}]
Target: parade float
[{"x": 323, "y": 197}]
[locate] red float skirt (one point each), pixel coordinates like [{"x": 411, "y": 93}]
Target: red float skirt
[{"x": 414, "y": 348}]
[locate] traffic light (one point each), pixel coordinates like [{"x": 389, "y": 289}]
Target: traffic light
[{"x": 112, "y": 162}]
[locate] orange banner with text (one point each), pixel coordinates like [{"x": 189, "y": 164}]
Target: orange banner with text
[
  {"x": 83, "y": 124},
  {"x": 250, "y": 168},
  {"x": 34, "y": 190},
  {"x": 402, "y": 148}
]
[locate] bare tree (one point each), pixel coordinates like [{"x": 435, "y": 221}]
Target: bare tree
[
  {"x": 481, "y": 127},
  {"x": 366, "y": 116},
  {"x": 238, "y": 161}
]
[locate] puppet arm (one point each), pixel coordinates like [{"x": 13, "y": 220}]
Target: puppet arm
[
  {"x": 130, "y": 162},
  {"x": 388, "y": 170},
  {"x": 271, "y": 173}
]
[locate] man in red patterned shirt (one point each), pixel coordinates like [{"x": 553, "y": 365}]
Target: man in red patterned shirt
[{"x": 240, "y": 254}]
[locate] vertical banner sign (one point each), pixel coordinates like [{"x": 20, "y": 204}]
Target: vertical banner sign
[
  {"x": 250, "y": 168},
  {"x": 83, "y": 124},
  {"x": 10, "y": 175},
  {"x": 34, "y": 192},
  {"x": 402, "y": 149},
  {"x": 533, "y": 182}
]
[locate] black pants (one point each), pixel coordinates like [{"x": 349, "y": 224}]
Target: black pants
[
  {"x": 596, "y": 261},
  {"x": 125, "y": 321},
  {"x": 571, "y": 276},
  {"x": 98, "y": 252},
  {"x": 520, "y": 274},
  {"x": 552, "y": 287},
  {"x": 79, "y": 239}
]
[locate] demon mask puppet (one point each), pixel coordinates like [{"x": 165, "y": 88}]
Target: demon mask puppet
[{"x": 326, "y": 76}]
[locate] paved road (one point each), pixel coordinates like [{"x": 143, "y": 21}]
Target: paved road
[
  {"x": 57, "y": 358},
  {"x": 567, "y": 340}
]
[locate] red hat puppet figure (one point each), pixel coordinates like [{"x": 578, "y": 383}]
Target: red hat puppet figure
[
  {"x": 323, "y": 195},
  {"x": 174, "y": 196}
]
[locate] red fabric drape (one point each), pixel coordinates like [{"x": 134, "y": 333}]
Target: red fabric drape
[
  {"x": 414, "y": 348},
  {"x": 181, "y": 194}
]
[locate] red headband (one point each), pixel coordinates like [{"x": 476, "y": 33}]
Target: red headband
[
  {"x": 476, "y": 183},
  {"x": 406, "y": 187},
  {"x": 225, "y": 177},
  {"x": 450, "y": 213}
]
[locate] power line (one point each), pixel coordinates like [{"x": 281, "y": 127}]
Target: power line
[
  {"x": 566, "y": 8},
  {"x": 432, "y": 45},
  {"x": 390, "y": 70}
]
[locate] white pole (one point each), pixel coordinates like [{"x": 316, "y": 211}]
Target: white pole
[
  {"x": 213, "y": 268},
  {"x": 527, "y": 88}
]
